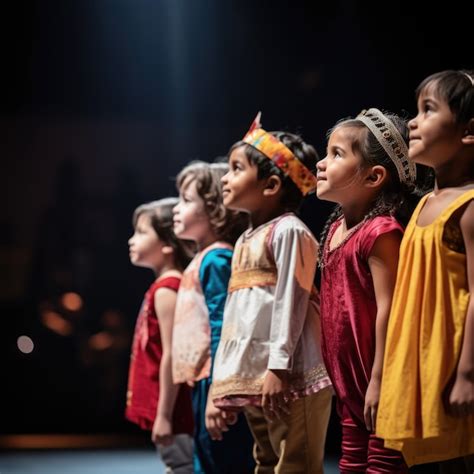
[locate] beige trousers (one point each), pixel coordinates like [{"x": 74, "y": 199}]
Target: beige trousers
[{"x": 295, "y": 443}]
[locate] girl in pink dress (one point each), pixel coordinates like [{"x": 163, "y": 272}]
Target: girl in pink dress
[{"x": 368, "y": 174}]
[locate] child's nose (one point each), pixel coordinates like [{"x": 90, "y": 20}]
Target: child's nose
[{"x": 321, "y": 164}]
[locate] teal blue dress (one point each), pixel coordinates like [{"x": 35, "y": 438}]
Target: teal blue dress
[{"x": 232, "y": 455}]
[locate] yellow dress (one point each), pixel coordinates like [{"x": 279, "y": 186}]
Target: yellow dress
[{"x": 424, "y": 338}]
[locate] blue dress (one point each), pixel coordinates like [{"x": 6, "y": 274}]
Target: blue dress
[{"x": 233, "y": 454}]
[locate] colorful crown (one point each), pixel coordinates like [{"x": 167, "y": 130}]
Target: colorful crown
[
  {"x": 392, "y": 142},
  {"x": 281, "y": 155}
]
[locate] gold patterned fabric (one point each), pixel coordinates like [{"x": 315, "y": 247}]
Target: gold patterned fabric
[
  {"x": 253, "y": 263},
  {"x": 271, "y": 317}
]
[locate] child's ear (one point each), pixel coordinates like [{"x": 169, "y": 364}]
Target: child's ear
[
  {"x": 272, "y": 186},
  {"x": 376, "y": 176},
  {"x": 167, "y": 249},
  {"x": 468, "y": 136}
]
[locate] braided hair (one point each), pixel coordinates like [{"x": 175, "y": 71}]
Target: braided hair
[{"x": 396, "y": 198}]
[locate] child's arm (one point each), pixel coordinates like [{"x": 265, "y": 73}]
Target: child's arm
[
  {"x": 217, "y": 420},
  {"x": 214, "y": 275},
  {"x": 461, "y": 398},
  {"x": 295, "y": 253},
  {"x": 162, "y": 433},
  {"x": 383, "y": 262}
]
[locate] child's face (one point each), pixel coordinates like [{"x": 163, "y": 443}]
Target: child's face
[
  {"x": 241, "y": 189},
  {"x": 190, "y": 219},
  {"x": 145, "y": 247},
  {"x": 340, "y": 173},
  {"x": 435, "y": 138}
]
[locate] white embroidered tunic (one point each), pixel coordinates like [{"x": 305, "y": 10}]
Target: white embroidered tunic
[{"x": 271, "y": 316}]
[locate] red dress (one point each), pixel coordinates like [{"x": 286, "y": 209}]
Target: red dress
[
  {"x": 143, "y": 379},
  {"x": 348, "y": 314},
  {"x": 348, "y": 311}
]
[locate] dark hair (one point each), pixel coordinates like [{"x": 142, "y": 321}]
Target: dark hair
[
  {"x": 227, "y": 224},
  {"x": 396, "y": 198},
  {"x": 292, "y": 196},
  {"x": 455, "y": 88},
  {"x": 161, "y": 219}
]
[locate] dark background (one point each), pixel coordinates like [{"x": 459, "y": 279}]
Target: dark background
[{"x": 102, "y": 103}]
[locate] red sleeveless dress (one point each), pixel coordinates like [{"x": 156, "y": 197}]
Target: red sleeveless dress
[{"x": 143, "y": 379}]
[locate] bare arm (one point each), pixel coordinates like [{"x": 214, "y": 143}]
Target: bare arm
[
  {"x": 383, "y": 262},
  {"x": 165, "y": 301},
  {"x": 461, "y": 398}
]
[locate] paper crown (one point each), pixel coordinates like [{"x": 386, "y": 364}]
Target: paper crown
[{"x": 281, "y": 155}]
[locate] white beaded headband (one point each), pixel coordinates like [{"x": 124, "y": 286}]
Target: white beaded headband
[
  {"x": 392, "y": 142},
  {"x": 469, "y": 77}
]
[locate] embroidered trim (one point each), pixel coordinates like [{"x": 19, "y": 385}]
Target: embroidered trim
[
  {"x": 253, "y": 277},
  {"x": 299, "y": 384}
]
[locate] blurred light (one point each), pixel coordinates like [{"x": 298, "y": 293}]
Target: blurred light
[
  {"x": 56, "y": 323},
  {"x": 25, "y": 344},
  {"x": 112, "y": 319},
  {"x": 71, "y": 301},
  {"x": 101, "y": 341}
]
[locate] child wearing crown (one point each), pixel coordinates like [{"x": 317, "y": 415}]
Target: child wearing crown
[{"x": 269, "y": 361}]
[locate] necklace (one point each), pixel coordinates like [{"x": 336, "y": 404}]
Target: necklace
[{"x": 327, "y": 250}]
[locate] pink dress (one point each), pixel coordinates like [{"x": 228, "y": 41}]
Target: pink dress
[{"x": 348, "y": 311}]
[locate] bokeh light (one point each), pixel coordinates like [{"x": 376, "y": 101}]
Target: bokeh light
[
  {"x": 71, "y": 301},
  {"x": 25, "y": 344},
  {"x": 56, "y": 323}
]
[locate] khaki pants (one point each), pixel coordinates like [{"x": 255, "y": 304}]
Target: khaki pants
[{"x": 295, "y": 443}]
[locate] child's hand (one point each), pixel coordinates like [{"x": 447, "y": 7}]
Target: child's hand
[
  {"x": 371, "y": 405},
  {"x": 162, "y": 432},
  {"x": 216, "y": 422},
  {"x": 461, "y": 398},
  {"x": 275, "y": 387}
]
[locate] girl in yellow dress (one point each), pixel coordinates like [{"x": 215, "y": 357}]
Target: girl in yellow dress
[{"x": 426, "y": 405}]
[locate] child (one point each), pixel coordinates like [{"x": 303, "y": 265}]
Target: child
[
  {"x": 200, "y": 216},
  {"x": 269, "y": 359},
  {"x": 153, "y": 401},
  {"x": 427, "y": 399},
  {"x": 368, "y": 174}
]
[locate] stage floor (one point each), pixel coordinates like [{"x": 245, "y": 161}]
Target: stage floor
[{"x": 136, "y": 461}]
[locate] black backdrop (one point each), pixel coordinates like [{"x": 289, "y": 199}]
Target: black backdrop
[{"x": 102, "y": 103}]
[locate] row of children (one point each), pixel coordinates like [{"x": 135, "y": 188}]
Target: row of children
[{"x": 260, "y": 353}]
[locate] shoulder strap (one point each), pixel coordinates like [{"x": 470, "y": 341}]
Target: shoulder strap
[
  {"x": 171, "y": 282},
  {"x": 456, "y": 204}
]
